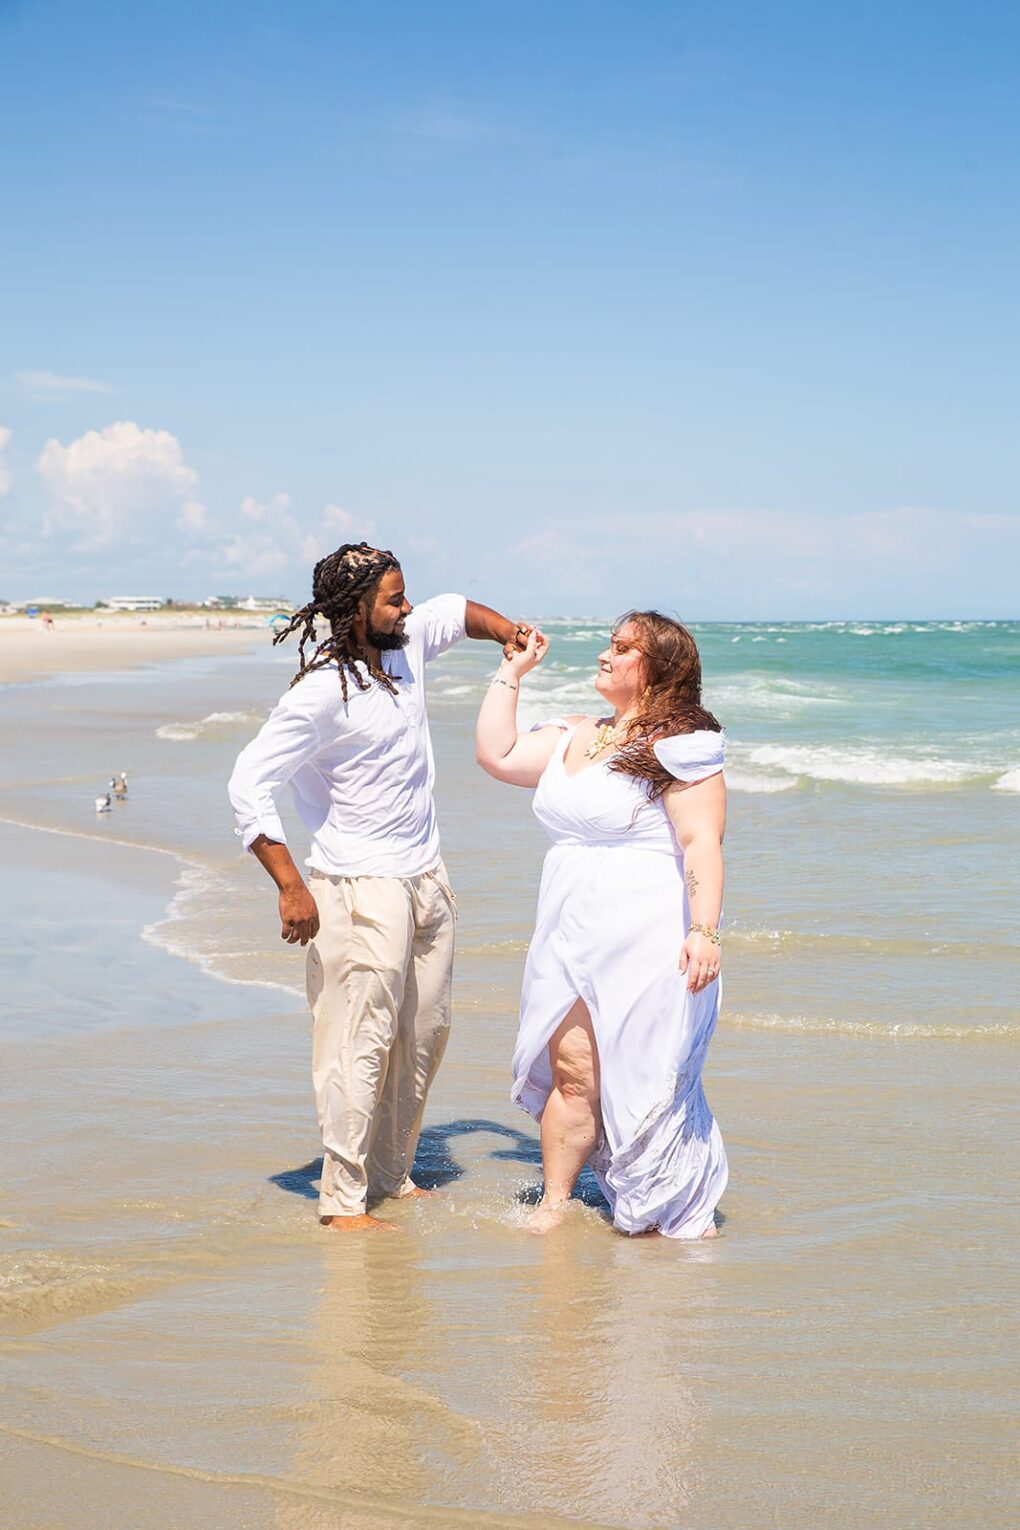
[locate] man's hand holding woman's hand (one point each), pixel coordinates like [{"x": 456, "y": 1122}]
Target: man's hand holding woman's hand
[
  {"x": 517, "y": 640},
  {"x": 518, "y": 661}
]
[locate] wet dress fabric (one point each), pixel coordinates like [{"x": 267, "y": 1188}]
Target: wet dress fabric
[{"x": 612, "y": 917}]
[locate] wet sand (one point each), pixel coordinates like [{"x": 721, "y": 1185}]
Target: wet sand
[{"x": 182, "y": 1339}]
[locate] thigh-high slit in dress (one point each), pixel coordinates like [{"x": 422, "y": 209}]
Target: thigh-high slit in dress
[{"x": 612, "y": 917}]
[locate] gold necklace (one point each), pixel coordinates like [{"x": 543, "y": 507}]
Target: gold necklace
[{"x": 606, "y": 736}]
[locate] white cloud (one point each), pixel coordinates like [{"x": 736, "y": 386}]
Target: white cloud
[
  {"x": 253, "y": 510},
  {"x": 42, "y": 386},
  {"x": 116, "y": 483},
  {"x": 253, "y": 556},
  {"x": 6, "y": 476},
  {"x": 274, "y": 539},
  {"x": 346, "y": 525},
  {"x": 192, "y": 516}
]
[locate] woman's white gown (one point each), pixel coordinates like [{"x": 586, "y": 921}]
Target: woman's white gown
[{"x": 612, "y": 917}]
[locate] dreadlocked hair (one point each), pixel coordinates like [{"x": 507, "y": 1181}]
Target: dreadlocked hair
[
  {"x": 340, "y": 582},
  {"x": 671, "y": 701}
]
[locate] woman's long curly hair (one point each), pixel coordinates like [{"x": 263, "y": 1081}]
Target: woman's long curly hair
[
  {"x": 671, "y": 701},
  {"x": 340, "y": 582}
]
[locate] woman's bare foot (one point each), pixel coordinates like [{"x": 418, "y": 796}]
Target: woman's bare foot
[
  {"x": 546, "y": 1216},
  {"x": 360, "y": 1223}
]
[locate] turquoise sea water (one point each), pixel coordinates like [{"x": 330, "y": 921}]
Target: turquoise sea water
[
  {"x": 890, "y": 704},
  {"x": 874, "y": 775}
]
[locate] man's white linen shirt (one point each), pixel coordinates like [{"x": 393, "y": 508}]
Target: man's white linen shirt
[{"x": 361, "y": 771}]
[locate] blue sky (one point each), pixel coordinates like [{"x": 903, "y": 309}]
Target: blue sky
[{"x": 574, "y": 304}]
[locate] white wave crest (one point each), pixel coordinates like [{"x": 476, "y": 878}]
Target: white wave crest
[
  {"x": 216, "y": 722},
  {"x": 188, "y": 929},
  {"x": 1010, "y": 782},
  {"x": 865, "y": 767},
  {"x": 747, "y": 781},
  {"x": 771, "y": 693},
  {"x": 865, "y": 1030}
]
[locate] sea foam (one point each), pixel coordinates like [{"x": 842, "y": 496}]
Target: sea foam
[
  {"x": 215, "y": 723},
  {"x": 747, "y": 781},
  {"x": 865, "y": 767}
]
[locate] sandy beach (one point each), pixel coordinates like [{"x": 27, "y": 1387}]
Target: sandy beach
[
  {"x": 184, "y": 1345},
  {"x": 77, "y": 644}
]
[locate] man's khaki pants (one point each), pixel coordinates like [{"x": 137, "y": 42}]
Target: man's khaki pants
[{"x": 379, "y": 975}]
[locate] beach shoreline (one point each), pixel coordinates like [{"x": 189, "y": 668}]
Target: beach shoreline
[
  {"x": 161, "y": 1149},
  {"x": 92, "y": 643}
]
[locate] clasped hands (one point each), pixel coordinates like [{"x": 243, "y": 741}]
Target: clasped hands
[
  {"x": 517, "y": 642},
  {"x": 526, "y": 648}
]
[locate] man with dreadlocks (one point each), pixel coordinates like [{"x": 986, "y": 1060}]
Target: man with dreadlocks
[{"x": 351, "y": 738}]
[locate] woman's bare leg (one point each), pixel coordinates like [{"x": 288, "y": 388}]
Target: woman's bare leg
[{"x": 572, "y": 1119}]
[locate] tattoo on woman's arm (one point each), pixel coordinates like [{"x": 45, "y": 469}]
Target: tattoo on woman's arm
[{"x": 692, "y": 884}]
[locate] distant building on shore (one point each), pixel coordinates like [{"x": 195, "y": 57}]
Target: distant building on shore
[
  {"x": 247, "y": 603},
  {"x": 132, "y": 603}
]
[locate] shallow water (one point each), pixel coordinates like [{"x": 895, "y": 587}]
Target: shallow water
[{"x": 183, "y": 1344}]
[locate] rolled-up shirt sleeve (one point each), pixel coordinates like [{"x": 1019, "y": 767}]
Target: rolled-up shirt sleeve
[
  {"x": 442, "y": 622},
  {"x": 287, "y": 740}
]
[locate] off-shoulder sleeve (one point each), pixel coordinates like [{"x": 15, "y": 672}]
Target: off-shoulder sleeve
[{"x": 692, "y": 756}]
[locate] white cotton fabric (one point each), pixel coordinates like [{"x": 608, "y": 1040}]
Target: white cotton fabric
[
  {"x": 612, "y": 916},
  {"x": 692, "y": 756},
  {"x": 361, "y": 771}
]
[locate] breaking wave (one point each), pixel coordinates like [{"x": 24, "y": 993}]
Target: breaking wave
[
  {"x": 216, "y": 724},
  {"x": 866, "y": 766}
]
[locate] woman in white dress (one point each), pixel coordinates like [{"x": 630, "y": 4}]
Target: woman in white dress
[{"x": 621, "y": 987}]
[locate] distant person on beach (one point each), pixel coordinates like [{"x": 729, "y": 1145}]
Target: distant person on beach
[
  {"x": 351, "y": 738},
  {"x": 621, "y": 986}
]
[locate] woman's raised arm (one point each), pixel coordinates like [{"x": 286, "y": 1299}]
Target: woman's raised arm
[{"x": 499, "y": 749}]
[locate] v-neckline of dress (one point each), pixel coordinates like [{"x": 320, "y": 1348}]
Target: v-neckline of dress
[{"x": 572, "y": 775}]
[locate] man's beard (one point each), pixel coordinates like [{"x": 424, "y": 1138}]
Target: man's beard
[{"x": 385, "y": 641}]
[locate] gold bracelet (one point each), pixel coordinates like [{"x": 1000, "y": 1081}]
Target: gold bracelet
[{"x": 707, "y": 931}]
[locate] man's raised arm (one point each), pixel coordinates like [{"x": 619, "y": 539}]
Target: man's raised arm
[{"x": 485, "y": 623}]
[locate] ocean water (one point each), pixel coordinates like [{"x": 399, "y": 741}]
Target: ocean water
[{"x": 169, "y": 1304}]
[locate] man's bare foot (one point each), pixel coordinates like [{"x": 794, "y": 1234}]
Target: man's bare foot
[
  {"x": 711, "y": 1232},
  {"x": 360, "y": 1223},
  {"x": 546, "y": 1216},
  {"x": 418, "y": 1193}
]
